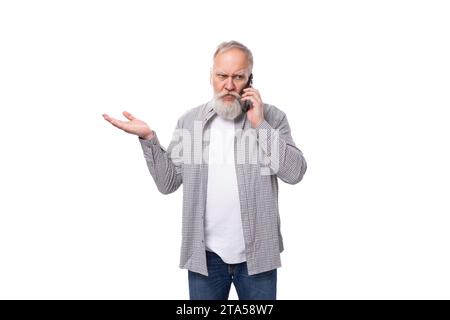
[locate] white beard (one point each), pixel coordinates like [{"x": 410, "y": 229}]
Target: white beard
[{"x": 227, "y": 110}]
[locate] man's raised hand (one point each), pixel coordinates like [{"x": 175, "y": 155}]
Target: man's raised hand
[{"x": 134, "y": 126}]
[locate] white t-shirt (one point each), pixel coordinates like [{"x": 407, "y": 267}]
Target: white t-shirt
[{"x": 223, "y": 225}]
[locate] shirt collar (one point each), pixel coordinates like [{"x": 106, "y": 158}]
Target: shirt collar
[{"x": 209, "y": 112}]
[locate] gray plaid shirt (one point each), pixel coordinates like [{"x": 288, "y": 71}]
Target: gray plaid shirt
[{"x": 262, "y": 155}]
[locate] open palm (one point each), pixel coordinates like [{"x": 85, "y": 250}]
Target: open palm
[{"x": 134, "y": 126}]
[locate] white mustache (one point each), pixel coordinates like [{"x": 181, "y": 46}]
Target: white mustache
[{"x": 234, "y": 94}]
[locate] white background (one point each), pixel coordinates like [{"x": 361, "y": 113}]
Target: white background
[{"x": 365, "y": 86}]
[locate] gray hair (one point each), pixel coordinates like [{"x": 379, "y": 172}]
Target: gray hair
[{"x": 228, "y": 45}]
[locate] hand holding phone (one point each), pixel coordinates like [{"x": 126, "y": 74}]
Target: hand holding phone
[{"x": 247, "y": 104}]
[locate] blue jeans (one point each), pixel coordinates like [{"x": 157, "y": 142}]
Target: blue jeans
[{"x": 261, "y": 286}]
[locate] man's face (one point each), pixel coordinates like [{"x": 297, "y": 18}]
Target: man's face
[{"x": 229, "y": 75}]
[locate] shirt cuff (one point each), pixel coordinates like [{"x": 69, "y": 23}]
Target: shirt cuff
[
  {"x": 263, "y": 125},
  {"x": 265, "y": 136},
  {"x": 149, "y": 147}
]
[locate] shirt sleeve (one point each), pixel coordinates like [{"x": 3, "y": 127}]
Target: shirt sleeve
[
  {"x": 279, "y": 152},
  {"x": 165, "y": 166}
]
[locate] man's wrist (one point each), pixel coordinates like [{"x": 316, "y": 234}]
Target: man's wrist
[{"x": 148, "y": 136}]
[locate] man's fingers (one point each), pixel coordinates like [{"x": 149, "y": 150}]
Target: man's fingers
[
  {"x": 251, "y": 95},
  {"x": 117, "y": 123},
  {"x": 107, "y": 118},
  {"x": 128, "y": 115}
]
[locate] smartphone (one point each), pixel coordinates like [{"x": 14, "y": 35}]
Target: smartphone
[{"x": 247, "y": 103}]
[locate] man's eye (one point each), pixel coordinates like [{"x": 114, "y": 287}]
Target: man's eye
[{"x": 222, "y": 76}]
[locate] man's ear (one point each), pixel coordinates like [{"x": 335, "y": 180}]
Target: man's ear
[{"x": 210, "y": 75}]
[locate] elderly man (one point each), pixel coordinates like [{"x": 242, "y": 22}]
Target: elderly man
[{"x": 228, "y": 153}]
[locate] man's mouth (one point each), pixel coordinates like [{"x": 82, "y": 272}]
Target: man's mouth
[{"x": 229, "y": 97}]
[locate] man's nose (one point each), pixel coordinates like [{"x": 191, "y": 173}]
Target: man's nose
[{"x": 229, "y": 84}]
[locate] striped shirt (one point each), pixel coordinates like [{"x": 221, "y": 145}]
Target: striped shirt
[{"x": 262, "y": 156}]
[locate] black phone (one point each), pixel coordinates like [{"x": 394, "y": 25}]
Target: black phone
[{"x": 247, "y": 104}]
